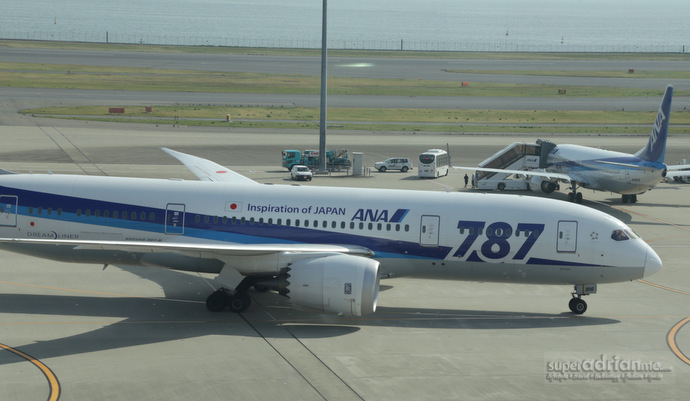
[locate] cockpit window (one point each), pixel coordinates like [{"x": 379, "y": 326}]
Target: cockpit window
[{"x": 619, "y": 235}]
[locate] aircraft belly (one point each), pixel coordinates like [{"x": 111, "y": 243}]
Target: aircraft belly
[{"x": 509, "y": 272}]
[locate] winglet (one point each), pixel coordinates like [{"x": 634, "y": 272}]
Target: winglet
[
  {"x": 207, "y": 170},
  {"x": 656, "y": 147}
]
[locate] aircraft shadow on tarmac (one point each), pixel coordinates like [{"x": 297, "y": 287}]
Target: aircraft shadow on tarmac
[
  {"x": 151, "y": 321},
  {"x": 121, "y": 322}
]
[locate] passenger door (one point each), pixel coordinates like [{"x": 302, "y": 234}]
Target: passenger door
[
  {"x": 174, "y": 218},
  {"x": 8, "y": 210},
  {"x": 428, "y": 235},
  {"x": 567, "y": 236}
]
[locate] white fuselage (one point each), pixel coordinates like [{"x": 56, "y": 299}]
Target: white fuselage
[
  {"x": 412, "y": 233},
  {"x": 605, "y": 170}
]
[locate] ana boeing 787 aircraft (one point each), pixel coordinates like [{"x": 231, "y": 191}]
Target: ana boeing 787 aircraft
[
  {"x": 603, "y": 170},
  {"x": 324, "y": 248}
]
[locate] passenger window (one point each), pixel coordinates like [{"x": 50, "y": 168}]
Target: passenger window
[{"x": 342, "y": 225}]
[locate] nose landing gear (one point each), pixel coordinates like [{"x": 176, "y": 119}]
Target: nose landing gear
[{"x": 578, "y": 305}]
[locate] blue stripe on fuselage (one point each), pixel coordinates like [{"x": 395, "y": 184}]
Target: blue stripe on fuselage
[{"x": 73, "y": 209}]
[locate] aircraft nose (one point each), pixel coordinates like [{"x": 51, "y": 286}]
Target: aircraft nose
[{"x": 653, "y": 263}]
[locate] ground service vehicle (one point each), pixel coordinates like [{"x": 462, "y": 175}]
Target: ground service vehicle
[
  {"x": 394, "y": 163},
  {"x": 310, "y": 158},
  {"x": 300, "y": 172},
  {"x": 433, "y": 163}
]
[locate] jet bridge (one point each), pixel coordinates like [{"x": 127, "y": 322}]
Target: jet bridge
[{"x": 516, "y": 156}]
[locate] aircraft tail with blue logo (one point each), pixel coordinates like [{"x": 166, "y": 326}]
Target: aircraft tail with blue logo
[{"x": 656, "y": 147}]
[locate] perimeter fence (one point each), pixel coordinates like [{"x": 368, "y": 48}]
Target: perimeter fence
[{"x": 407, "y": 45}]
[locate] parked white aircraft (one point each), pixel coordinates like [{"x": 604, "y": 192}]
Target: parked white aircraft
[
  {"x": 324, "y": 248},
  {"x": 606, "y": 170}
]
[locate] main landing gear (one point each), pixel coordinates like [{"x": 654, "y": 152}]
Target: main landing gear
[
  {"x": 237, "y": 301},
  {"x": 574, "y": 196},
  {"x": 629, "y": 198},
  {"x": 578, "y": 305}
]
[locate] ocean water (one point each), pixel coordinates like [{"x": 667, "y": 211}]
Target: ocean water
[{"x": 629, "y": 25}]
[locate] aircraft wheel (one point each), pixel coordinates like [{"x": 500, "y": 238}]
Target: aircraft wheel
[
  {"x": 217, "y": 301},
  {"x": 239, "y": 302},
  {"x": 633, "y": 198},
  {"x": 571, "y": 196},
  {"x": 578, "y": 197},
  {"x": 624, "y": 198},
  {"x": 577, "y": 305}
]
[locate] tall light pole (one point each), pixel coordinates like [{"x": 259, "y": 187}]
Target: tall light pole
[{"x": 324, "y": 59}]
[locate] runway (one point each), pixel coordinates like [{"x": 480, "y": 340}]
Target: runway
[{"x": 144, "y": 333}]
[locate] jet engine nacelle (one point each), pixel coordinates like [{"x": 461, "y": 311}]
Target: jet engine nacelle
[
  {"x": 335, "y": 283},
  {"x": 537, "y": 183}
]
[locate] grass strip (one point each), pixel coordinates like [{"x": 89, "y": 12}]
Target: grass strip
[
  {"x": 340, "y": 52},
  {"x": 58, "y": 76},
  {"x": 584, "y": 74}
]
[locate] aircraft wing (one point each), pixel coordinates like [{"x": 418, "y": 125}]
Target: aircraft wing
[
  {"x": 207, "y": 170},
  {"x": 202, "y": 250},
  {"x": 545, "y": 174}
]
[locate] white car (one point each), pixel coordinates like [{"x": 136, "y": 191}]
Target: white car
[
  {"x": 300, "y": 172},
  {"x": 394, "y": 163}
]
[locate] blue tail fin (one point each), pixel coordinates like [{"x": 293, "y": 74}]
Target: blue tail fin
[{"x": 656, "y": 147}]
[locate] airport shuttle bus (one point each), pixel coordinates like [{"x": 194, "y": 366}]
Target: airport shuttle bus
[{"x": 433, "y": 163}]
